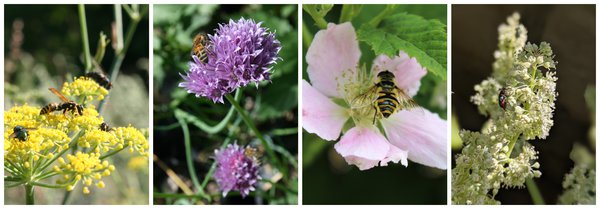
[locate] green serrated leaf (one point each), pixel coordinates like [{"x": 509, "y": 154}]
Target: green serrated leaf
[{"x": 423, "y": 39}]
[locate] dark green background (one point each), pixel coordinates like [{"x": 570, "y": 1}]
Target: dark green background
[{"x": 327, "y": 179}]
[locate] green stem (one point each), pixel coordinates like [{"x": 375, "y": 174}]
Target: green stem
[
  {"x": 284, "y": 131},
  {"x": 346, "y": 15},
  {"x": 511, "y": 145},
  {"x": 251, "y": 125},
  {"x": 349, "y": 11},
  {"x": 211, "y": 171},
  {"x": 531, "y": 82},
  {"x": 12, "y": 168},
  {"x": 9, "y": 185},
  {"x": 66, "y": 197},
  {"x": 189, "y": 158},
  {"x": 204, "y": 126},
  {"x": 319, "y": 20},
  {"x": 45, "y": 175},
  {"x": 166, "y": 127},
  {"x": 71, "y": 144},
  {"x": 385, "y": 13},
  {"x": 225, "y": 143},
  {"x": 307, "y": 37},
  {"x": 114, "y": 152},
  {"x": 84, "y": 38},
  {"x": 58, "y": 186},
  {"x": 118, "y": 27},
  {"x": 29, "y": 192},
  {"x": 121, "y": 51},
  {"x": 12, "y": 178},
  {"x": 286, "y": 154},
  {"x": 167, "y": 195},
  {"x": 534, "y": 192}
]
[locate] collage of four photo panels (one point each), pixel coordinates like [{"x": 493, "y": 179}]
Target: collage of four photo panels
[{"x": 287, "y": 104}]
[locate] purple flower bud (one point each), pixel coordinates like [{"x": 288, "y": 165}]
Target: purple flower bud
[
  {"x": 235, "y": 170},
  {"x": 239, "y": 53}
]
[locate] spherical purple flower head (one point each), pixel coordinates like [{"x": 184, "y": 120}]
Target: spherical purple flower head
[
  {"x": 239, "y": 53},
  {"x": 235, "y": 170}
]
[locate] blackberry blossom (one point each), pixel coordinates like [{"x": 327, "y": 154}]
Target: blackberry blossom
[
  {"x": 240, "y": 52},
  {"x": 236, "y": 170}
]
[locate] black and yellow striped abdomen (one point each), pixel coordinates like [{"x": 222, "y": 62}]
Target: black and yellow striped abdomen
[{"x": 387, "y": 102}]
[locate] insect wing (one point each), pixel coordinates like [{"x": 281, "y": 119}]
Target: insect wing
[
  {"x": 365, "y": 99},
  {"x": 55, "y": 92},
  {"x": 406, "y": 103}
]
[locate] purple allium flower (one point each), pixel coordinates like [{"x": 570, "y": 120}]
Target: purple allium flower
[
  {"x": 239, "y": 53},
  {"x": 235, "y": 170}
]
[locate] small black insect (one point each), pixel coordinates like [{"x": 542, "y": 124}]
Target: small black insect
[
  {"x": 502, "y": 98},
  {"x": 21, "y": 133},
  {"x": 104, "y": 127}
]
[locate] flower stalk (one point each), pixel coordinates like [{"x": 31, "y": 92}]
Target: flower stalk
[
  {"x": 29, "y": 194},
  {"x": 257, "y": 133},
  {"x": 84, "y": 38},
  {"x": 534, "y": 192}
]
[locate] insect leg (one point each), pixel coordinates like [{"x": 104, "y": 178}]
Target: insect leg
[{"x": 374, "y": 115}]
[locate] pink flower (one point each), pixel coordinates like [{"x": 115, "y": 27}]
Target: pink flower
[{"x": 336, "y": 79}]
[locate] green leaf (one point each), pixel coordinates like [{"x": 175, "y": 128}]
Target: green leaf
[{"x": 423, "y": 39}]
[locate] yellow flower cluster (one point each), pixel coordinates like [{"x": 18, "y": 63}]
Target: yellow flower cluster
[
  {"x": 132, "y": 138},
  {"x": 99, "y": 141},
  {"x": 85, "y": 88},
  {"x": 25, "y": 115},
  {"x": 90, "y": 120},
  {"x": 42, "y": 141},
  {"x": 84, "y": 167}
]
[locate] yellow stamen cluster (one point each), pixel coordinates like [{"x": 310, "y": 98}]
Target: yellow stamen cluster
[
  {"x": 90, "y": 120},
  {"x": 41, "y": 142},
  {"x": 25, "y": 115},
  {"x": 132, "y": 138},
  {"x": 100, "y": 141},
  {"x": 84, "y": 167},
  {"x": 86, "y": 88}
]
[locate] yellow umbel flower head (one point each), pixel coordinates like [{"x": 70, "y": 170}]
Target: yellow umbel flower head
[
  {"x": 99, "y": 141},
  {"x": 90, "y": 120},
  {"x": 40, "y": 143},
  {"x": 25, "y": 115},
  {"x": 36, "y": 145},
  {"x": 132, "y": 138},
  {"x": 84, "y": 88},
  {"x": 87, "y": 168}
]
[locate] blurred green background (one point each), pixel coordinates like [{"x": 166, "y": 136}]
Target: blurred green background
[
  {"x": 327, "y": 179},
  {"x": 272, "y": 106},
  {"x": 42, "y": 47}
]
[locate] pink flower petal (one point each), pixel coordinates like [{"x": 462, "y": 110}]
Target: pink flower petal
[
  {"x": 394, "y": 155},
  {"x": 361, "y": 163},
  {"x": 407, "y": 70},
  {"x": 320, "y": 115},
  {"x": 421, "y": 133},
  {"x": 366, "y": 147},
  {"x": 332, "y": 51}
]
